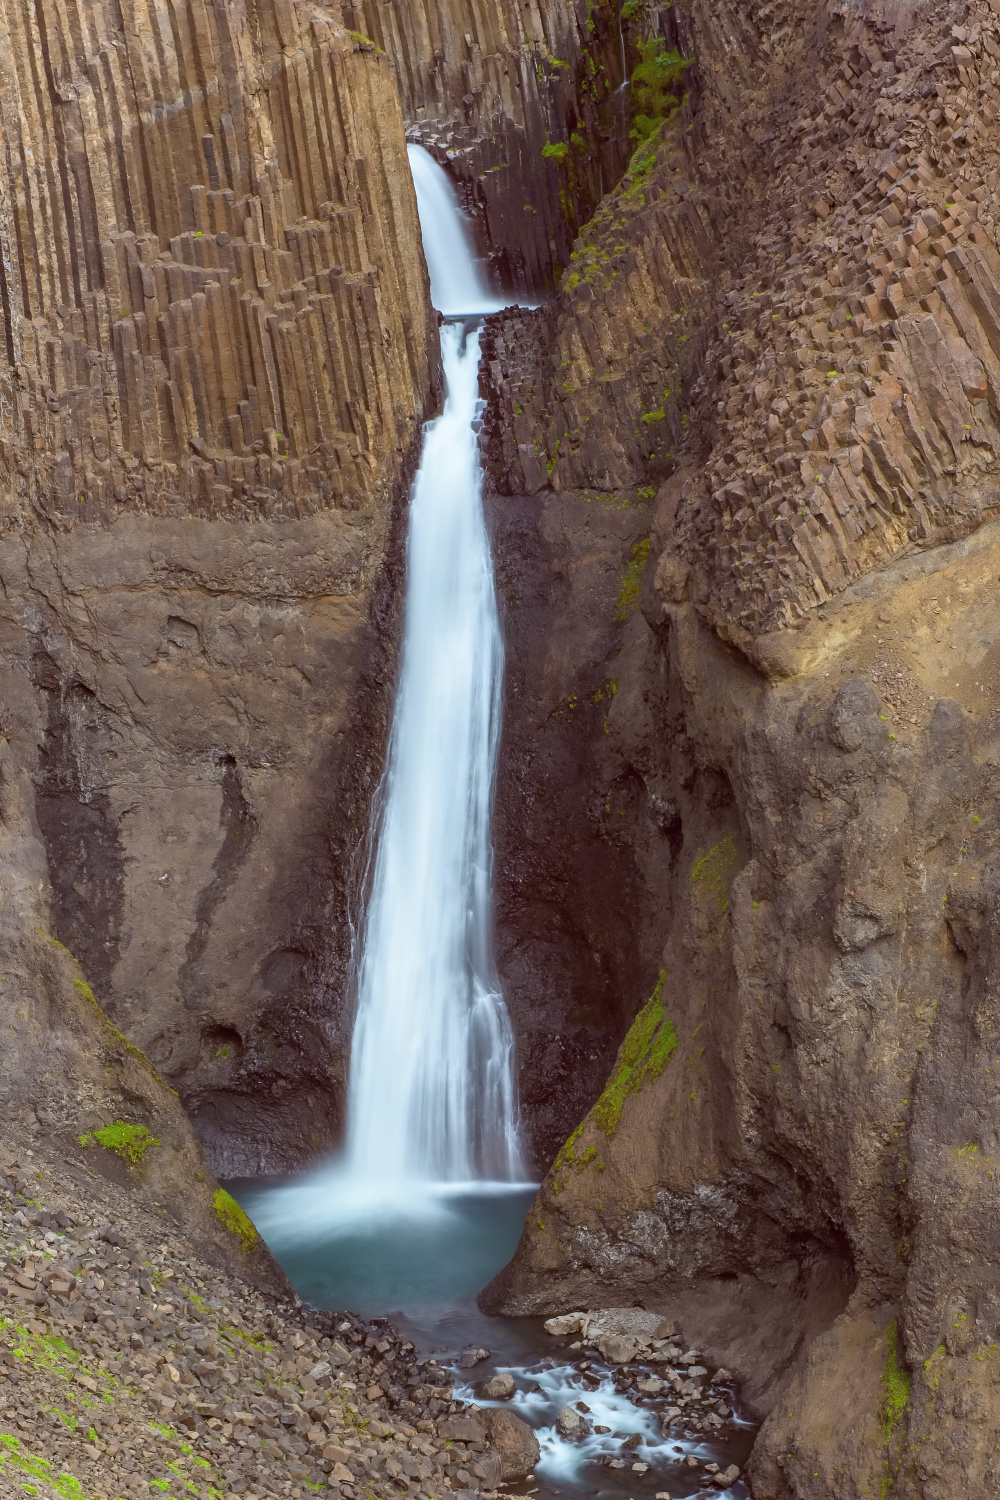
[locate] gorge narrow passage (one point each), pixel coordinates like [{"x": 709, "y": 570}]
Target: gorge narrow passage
[{"x": 427, "y": 1200}]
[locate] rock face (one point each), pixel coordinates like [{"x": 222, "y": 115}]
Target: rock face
[
  {"x": 219, "y": 353},
  {"x": 219, "y": 308},
  {"x": 791, "y": 1155},
  {"x": 68, "y": 1077},
  {"x": 584, "y": 829}
]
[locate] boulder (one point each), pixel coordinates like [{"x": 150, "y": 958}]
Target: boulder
[
  {"x": 617, "y": 1350},
  {"x": 565, "y": 1324},
  {"x": 471, "y": 1356},
  {"x": 488, "y": 1468},
  {"x": 497, "y": 1388},
  {"x": 570, "y": 1424},
  {"x": 512, "y": 1440},
  {"x": 462, "y": 1429}
]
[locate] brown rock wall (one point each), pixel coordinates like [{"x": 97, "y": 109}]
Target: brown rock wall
[
  {"x": 201, "y": 707},
  {"x": 793, "y": 1158},
  {"x": 211, "y": 285},
  {"x": 796, "y": 1164},
  {"x": 219, "y": 353}
]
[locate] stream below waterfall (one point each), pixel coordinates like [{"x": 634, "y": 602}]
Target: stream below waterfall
[{"x": 428, "y": 1198}]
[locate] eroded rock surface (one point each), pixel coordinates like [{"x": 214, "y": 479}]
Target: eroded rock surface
[
  {"x": 525, "y": 104},
  {"x": 781, "y": 321}
]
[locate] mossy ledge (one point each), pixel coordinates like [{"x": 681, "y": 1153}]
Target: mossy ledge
[
  {"x": 649, "y": 1045},
  {"x": 130, "y": 1142},
  {"x": 233, "y": 1218}
]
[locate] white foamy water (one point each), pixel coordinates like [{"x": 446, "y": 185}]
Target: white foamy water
[
  {"x": 458, "y": 286},
  {"x": 570, "y": 1465},
  {"x": 432, "y": 1094}
]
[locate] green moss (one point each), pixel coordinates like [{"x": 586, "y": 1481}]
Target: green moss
[
  {"x": 27, "y": 1466},
  {"x": 232, "y": 1217},
  {"x": 366, "y": 44},
  {"x": 631, "y": 585},
  {"x": 713, "y": 873},
  {"x": 650, "y": 1044},
  {"x": 655, "y": 91},
  {"x": 130, "y": 1142},
  {"x": 897, "y": 1384},
  {"x": 84, "y": 991},
  {"x": 555, "y": 150}
]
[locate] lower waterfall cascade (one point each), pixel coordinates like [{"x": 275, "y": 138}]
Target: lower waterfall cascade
[{"x": 427, "y": 1200}]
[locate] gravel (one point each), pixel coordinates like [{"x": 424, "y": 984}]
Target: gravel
[{"x": 127, "y": 1360}]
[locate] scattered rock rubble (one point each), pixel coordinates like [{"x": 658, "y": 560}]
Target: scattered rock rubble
[
  {"x": 654, "y": 1370},
  {"x": 126, "y": 1362}
]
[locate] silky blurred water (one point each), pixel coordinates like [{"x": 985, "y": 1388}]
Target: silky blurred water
[{"x": 427, "y": 1202}]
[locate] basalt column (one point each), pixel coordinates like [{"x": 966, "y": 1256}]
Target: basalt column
[{"x": 526, "y": 104}]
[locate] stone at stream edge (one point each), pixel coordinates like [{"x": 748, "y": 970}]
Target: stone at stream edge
[
  {"x": 497, "y": 1388},
  {"x": 513, "y": 1441},
  {"x": 471, "y": 1356}
]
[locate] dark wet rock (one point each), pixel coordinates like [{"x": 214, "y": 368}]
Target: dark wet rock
[
  {"x": 513, "y": 1441},
  {"x": 471, "y": 1356}
]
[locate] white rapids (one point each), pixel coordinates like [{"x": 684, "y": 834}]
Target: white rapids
[{"x": 619, "y": 1433}]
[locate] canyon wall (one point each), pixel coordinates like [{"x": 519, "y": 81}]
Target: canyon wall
[
  {"x": 219, "y": 353},
  {"x": 773, "y": 351}
]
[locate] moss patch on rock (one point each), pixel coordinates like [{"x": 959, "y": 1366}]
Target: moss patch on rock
[
  {"x": 631, "y": 584},
  {"x": 233, "y": 1218},
  {"x": 650, "y": 1044},
  {"x": 130, "y": 1142},
  {"x": 897, "y": 1384},
  {"x": 655, "y": 87},
  {"x": 712, "y": 874}
]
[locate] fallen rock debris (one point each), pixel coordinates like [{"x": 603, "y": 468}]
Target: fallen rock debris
[{"x": 127, "y": 1361}]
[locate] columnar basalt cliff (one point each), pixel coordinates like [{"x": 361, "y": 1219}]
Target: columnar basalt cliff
[
  {"x": 219, "y": 352},
  {"x": 783, "y": 322}
]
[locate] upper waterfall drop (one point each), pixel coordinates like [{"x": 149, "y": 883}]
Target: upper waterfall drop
[
  {"x": 432, "y": 1094},
  {"x": 458, "y": 287}
]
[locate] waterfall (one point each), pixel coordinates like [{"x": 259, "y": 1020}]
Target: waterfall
[
  {"x": 432, "y": 1092},
  {"x": 457, "y": 284}
]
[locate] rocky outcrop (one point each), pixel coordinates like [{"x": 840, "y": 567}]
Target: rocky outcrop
[
  {"x": 73, "y": 1089},
  {"x": 791, "y": 1154}
]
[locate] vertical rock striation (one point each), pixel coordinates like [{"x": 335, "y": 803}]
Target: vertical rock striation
[{"x": 211, "y": 291}]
